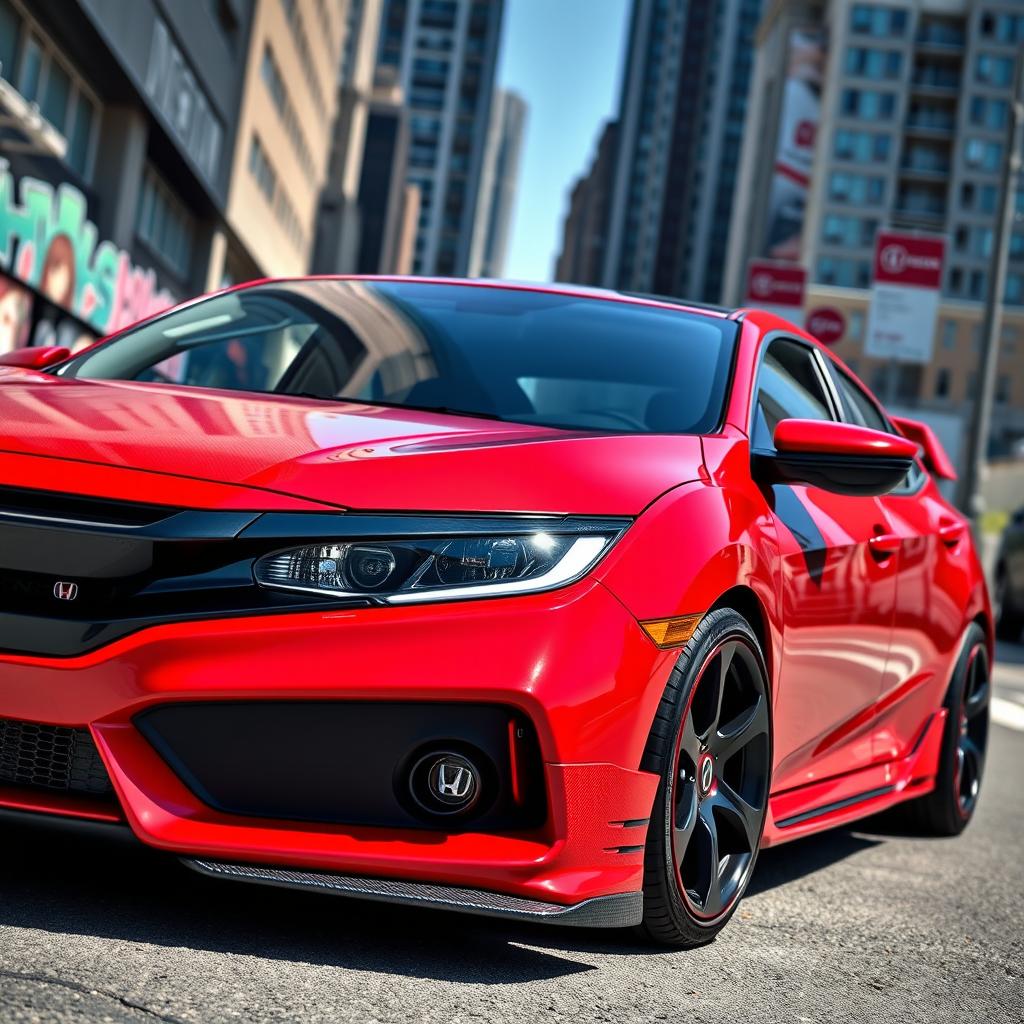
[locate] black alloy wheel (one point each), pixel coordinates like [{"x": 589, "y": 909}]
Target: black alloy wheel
[
  {"x": 712, "y": 745},
  {"x": 947, "y": 809},
  {"x": 972, "y": 728}
]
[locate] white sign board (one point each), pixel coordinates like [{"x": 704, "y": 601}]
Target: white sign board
[{"x": 905, "y": 297}]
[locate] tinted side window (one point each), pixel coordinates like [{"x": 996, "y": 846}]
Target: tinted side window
[{"x": 789, "y": 386}]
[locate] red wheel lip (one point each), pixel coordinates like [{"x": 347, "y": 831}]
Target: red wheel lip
[{"x": 681, "y": 889}]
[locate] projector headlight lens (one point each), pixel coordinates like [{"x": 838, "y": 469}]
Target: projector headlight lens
[{"x": 436, "y": 569}]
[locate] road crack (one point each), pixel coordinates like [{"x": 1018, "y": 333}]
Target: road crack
[{"x": 74, "y": 986}]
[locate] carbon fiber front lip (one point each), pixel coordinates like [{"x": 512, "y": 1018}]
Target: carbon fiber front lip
[{"x": 623, "y": 910}]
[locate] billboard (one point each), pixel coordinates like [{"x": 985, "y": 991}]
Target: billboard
[
  {"x": 905, "y": 296},
  {"x": 794, "y": 146}
]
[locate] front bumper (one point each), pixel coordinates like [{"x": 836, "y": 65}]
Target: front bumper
[{"x": 574, "y": 662}]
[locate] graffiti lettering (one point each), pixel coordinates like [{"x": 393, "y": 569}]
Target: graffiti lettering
[{"x": 48, "y": 242}]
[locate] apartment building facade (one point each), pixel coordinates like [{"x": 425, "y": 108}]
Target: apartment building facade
[
  {"x": 906, "y": 105},
  {"x": 284, "y": 134}
]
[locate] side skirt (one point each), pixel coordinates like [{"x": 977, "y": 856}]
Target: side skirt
[{"x": 838, "y": 801}]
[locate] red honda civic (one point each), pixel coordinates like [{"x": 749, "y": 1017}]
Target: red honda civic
[{"x": 543, "y": 603}]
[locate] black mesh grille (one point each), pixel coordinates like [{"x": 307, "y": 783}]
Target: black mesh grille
[{"x": 51, "y": 757}]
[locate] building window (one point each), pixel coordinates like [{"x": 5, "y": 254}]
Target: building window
[
  {"x": 874, "y": 64},
  {"x": 875, "y": 20},
  {"x": 949, "y": 334},
  {"x": 989, "y": 113},
  {"x": 942, "y": 378},
  {"x": 861, "y": 147},
  {"x": 286, "y": 111},
  {"x": 298, "y": 30},
  {"x": 855, "y": 327},
  {"x": 992, "y": 70},
  {"x": 869, "y": 104},
  {"x": 983, "y": 154},
  {"x": 40, "y": 73},
  {"x": 1004, "y": 28},
  {"x": 165, "y": 224},
  {"x": 1003, "y": 389},
  {"x": 844, "y": 273},
  {"x": 852, "y": 232},
  {"x": 858, "y": 189},
  {"x": 266, "y": 180},
  {"x": 259, "y": 167},
  {"x": 1014, "y": 294},
  {"x": 981, "y": 198},
  {"x": 974, "y": 240}
]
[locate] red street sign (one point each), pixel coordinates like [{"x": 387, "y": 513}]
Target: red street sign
[
  {"x": 827, "y": 324},
  {"x": 909, "y": 259},
  {"x": 775, "y": 284}
]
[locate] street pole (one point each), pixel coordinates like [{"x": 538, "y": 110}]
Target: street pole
[{"x": 971, "y": 501}]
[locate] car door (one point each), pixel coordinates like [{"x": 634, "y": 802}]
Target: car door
[
  {"x": 933, "y": 583},
  {"x": 838, "y": 584}
]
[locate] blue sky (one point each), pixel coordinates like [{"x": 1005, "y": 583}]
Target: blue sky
[{"x": 564, "y": 58}]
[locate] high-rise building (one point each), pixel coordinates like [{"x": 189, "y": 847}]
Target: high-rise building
[
  {"x": 445, "y": 53},
  {"x": 681, "y": 118},
  {"x": 115, "y": 159},
  {"x": 902, "y": 109},
  {"x": 388, "y": 203},
  {"x": 498, "y": 184},
  {"x": 284, "y": 134},
  {"x": 581, "y": 260},
  {"x": 338, "y": 225}
]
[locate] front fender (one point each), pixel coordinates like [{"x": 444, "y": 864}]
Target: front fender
[{"x": 689, "y": 548}]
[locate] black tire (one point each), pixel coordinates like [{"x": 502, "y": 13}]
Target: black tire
[
  {"x": 715, "y": 711},
  {"x": 1009, "y": 618},
  {"x": 947, "y": 809}
]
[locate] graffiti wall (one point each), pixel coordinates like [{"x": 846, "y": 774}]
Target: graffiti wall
[{"x": 48, "y": 242}]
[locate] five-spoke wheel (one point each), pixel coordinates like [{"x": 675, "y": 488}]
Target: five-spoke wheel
[
  {"x": 972, "y": 727},
  {"x": 951, "y": 803},
  {"x": 716, "y": 765}
]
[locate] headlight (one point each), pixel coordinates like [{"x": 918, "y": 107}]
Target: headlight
[{"x": 437, "y": 569}]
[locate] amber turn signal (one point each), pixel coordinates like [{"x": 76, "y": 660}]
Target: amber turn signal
[{"x": 671, "y": 632}]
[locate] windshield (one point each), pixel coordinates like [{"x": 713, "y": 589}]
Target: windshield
[{"x": 508, "y": 353}]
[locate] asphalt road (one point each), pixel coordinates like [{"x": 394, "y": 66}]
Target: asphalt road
[{"x": 856, "y": 925}]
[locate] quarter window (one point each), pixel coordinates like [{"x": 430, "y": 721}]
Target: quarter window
[{"x": 857, "y": 407}]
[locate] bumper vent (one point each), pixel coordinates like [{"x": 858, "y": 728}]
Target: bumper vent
[{"x": 51, "y": 757}]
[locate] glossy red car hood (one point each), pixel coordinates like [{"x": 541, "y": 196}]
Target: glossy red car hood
[{"x": 353, "y": 456}]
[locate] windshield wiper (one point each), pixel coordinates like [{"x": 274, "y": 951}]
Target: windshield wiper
[{"x": 443, "y": 409}]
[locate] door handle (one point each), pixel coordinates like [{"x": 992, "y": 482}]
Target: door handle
[
  {"x": 884, "y": 544},
  {"x": 952, "y": 533}
]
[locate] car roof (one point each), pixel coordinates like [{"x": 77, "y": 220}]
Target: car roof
[{"x": 556, "y": 288}]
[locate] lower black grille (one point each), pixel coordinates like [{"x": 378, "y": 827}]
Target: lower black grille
[{"x": 51, "y": 757}]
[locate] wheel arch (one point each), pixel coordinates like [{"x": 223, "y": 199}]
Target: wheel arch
[{"x": 744, "y": 600}]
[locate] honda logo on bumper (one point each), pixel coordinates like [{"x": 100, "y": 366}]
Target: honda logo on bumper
[
  {"x": 65, "y": 591},
  {"x": 453, "y": 781}
]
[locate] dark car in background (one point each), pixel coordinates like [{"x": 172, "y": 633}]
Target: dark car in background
[{"x": 1009, "y": 590}]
